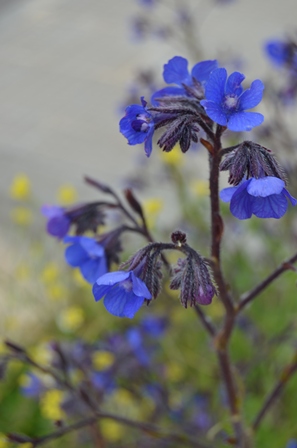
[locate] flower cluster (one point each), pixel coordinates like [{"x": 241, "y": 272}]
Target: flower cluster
[{"x": 192, "y": 104}]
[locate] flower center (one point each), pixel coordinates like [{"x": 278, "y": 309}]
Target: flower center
[
  {"x": 127, "y": 285},
  {"x": 141, "y": 124},
  {"x": 231, "y": 101}
]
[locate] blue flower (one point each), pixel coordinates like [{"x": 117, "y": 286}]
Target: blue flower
[
  {"x": 278, "y": 52},
  {"x": 265, "y": 197},
  {"x": 86, "y": 254},
  {"x": 31, "y": 385},
  {"x": 226, "y": 101},
  {"x": 138, "y": 126},
  {"x": 58, "y": 222},
  {"x": 176, "y": 72},
  {"x": 123, "y": 292}
]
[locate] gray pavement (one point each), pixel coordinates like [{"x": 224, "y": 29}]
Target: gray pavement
[{"x": 64, "y": 67}]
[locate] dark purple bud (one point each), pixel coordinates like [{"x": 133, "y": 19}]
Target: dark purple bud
[
  {"x": 191, "y": 276},
  {"x": 251, "y": 160},
  {"x": 133, "y": 202},
  {"x": 99, "y": 185},
  {"x": 178, "y": 237}
]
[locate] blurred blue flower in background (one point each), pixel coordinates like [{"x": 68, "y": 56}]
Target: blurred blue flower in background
[
  {"x": 226, "y": 102},
  {"x": 58, "y": 222},
  {"x": 86, "y": 254}
]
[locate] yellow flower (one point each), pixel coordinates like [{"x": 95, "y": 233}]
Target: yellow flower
[
  {"x": 41, "y": 353},
  {"x": 50, "y": 273},
  {"x": 102, "y": 360},
  {"x": 21, "y": 216},
  {"x": 56, "y": 291},
  {"x": 4, "y": 443},
  {"x": 174, "y": 157},
  {"x": 20, "y": 188},
  {"x": 152, "y": 208},
  {"x": 50, "y": 405},
  {"x": 200, "y": 188},
  {"x": 174, "y": 372},
  {"x": 22, "y": 271},
  {"x": 67, "y": 194},
  {"x": 71, "y": 319},
  {"x": 111, "y": 430}
]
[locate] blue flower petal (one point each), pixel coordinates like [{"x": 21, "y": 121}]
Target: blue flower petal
[
  {"x": 148, "y": 145},
  {"x": 58, "y": 226},
  {"x": 227, "y": 193},
  {"x": 114, "y": 300},
  {"x": 265, "y": 186},
  {"x": 176, "y": 71},
  {"x": 75, "y": 255},
  {"x": 167, "y": 91},
  {"x": 139, "y": 287},
  {"x": 273, "y": 206},
  {"x": 111, "y": 278},
  {"x": 291, "y": 198},
  {"x": 99, "y": 291},
  {"x": 132, "y": 305},
  {"x": 252, "y": 96},
  {"x": 241, "y": 202},
  {"x": 244, "y": 121},
  {"x": 215, "y": 112},
  {"x": 233, "y": 85},
  {"x": 215, "y": 86},
  {"x": 92, "y": 269},
  {"x": 91, "y": 246},
  {"x": 202, "y": 70},
  {"x": 277, "y": 51},
  {"x": 133, "y": 137}
]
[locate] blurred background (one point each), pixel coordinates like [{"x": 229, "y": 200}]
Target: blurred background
[{"x": 66, "y": 66}]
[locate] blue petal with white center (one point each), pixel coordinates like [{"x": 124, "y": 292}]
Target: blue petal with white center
[{"x": 226, "y": 102}]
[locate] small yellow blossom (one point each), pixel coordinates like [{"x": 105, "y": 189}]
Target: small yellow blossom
[
  {"x": 50, "y": 273},
  {"x": 22, "y": 271},
  {"x": 200, "y": 187},
  {"x": 71, "y": 318},
  {"x": 174, "y": 157},
  {"x": 102, "y": 360},
  {"x": 56, "y": 292},
  {"x": 67, "y": 194},
  {"x": 111, "y": 430},
  {"x": 4, "y": 443},
  {"x": 174, "y": 372},
  {"x": 50, "y": 405},
  {"x": 152, "y": 208},
  {"x": 27, "y": 445},
  {"x": 41, "y": 353},
  {"x": 20, "y": 188},
  {"x": 21, "y": 216}
]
